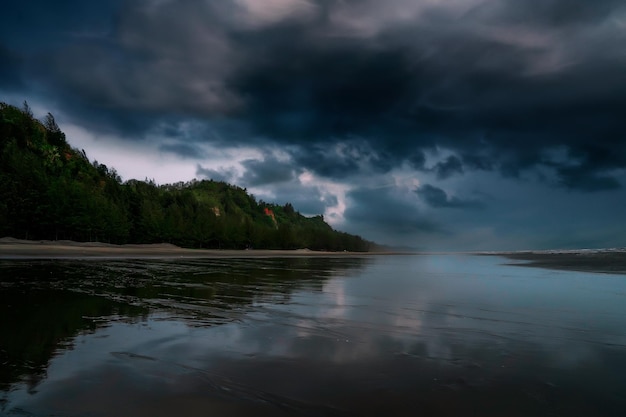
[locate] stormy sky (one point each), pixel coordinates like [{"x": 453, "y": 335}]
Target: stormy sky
[{"x": 457, "y": 124}]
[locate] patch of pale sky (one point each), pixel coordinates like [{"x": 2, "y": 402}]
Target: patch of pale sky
[
  {"x": 334, "y": 214},
  {"x": 132, "y": 161},
  {"x": 267, "y": 12},
  {"x": 280, "y": 155},
  {"x": 518, "y": 35},
  {"x": 368, "y": 18},
  {"x": 144, "y": 159}
]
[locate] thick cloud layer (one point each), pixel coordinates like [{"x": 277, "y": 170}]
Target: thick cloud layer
[
  {"x": 347, "y": 90},
  {"x": 438, "y": 198}
]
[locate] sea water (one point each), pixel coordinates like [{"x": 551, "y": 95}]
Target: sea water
[{"x": 424, "y": 335}]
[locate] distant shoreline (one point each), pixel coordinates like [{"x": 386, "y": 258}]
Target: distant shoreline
[
  {"x": 11, "y": 248},
  {"x": 611, "y": 261},
  {"x": 608, "y": 261}
]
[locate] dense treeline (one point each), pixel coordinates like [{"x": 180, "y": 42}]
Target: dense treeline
[{"x": 48, "y": 190}]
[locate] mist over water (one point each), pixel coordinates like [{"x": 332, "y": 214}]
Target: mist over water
[{"x": 429, "y": 335}]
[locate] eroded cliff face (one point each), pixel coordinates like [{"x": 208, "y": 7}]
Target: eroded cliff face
[{"x": 270, "y": 213}]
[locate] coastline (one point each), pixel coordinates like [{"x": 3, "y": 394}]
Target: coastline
[
  {"x": 11, "y": 248},
  {"x": 606, "y": 261}
]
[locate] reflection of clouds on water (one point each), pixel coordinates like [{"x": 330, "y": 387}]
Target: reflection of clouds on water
[
  {"x": 336, "y": 306},
  {"x": 444, "y": 309},
  {"x": 52, "y": 301},
  {"x": 463, "y": 329}
]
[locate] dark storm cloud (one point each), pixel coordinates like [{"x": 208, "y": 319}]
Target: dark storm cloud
[
  {"x": 581, "y": 170},
  {"x": 36, "y": 24},
  {"x": 578, "y": 179},
  {"x": 450, "y": 166},
  {"x": 10, "y": 77},
  {"x": 327, "y": 165},
  {"x": 417, "y": 160},
  {"x": 559, "y": 13},
  {"x": 308, "y": 200},
  {"x": 444, "y": 168},
  {"x": 182, "y": 149},
  {"x": 225, "y": 175},
  {"x": 267, "y": 171},
  {"x": 154, "y": 61},
  {"x": 323, "y": 89},
  {"x": 341, "y": 159},
  {"x": 389, "y": 214},
  {"x": 438, "y": 198},
  {"x": 477, "y": 162},
  {"x": 497, "y": 83},
  {"x": 497, "y": 100}
]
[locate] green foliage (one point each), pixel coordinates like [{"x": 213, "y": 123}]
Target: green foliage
[{"x": 48, "y": 190}]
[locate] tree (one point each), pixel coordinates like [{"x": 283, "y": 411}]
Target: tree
[
  {"x": 54, "y": 134},
  {"x": 50, "y": 191},
  {"x": 26, "y": 110}
]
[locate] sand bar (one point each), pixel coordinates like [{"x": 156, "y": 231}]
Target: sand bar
[
  {"x": 11, "y": 248},
  {"x": 610, "y": 261}
]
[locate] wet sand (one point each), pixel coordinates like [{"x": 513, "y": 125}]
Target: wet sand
[
  {"x": 440, "y": 335},
  {"x": 26, "y": 249},
  {"x": 611, "y": 261},
  {"x": 604, "y": 260}
]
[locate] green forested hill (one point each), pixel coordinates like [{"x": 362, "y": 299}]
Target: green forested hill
[{"x": 48, "y": 190}]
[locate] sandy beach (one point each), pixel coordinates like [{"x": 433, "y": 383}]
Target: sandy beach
[
  {"x": 11, "y": 248},
  {"x": 603, "y": 260}
]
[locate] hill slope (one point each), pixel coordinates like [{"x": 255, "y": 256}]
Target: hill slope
[{"x": 49, "y": 190}]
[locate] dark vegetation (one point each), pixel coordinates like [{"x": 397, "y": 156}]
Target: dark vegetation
[{"x": 49, "y": 190}]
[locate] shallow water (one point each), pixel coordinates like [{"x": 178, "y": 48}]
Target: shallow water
[{"x": 392, "y": 335}]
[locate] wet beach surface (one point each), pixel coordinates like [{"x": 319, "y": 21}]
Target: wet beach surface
[
  {"x": 11, "y": 248},
  {"x": 436, "y": 335}
]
